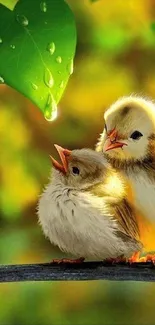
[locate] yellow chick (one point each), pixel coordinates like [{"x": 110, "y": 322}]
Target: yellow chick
[
  {"x": 83, "y": 209},
  {"x": 128, "y": 143}
]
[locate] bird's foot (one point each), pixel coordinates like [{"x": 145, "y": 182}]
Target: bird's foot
[
  {"x": 117, "y": 260},
  {"x": 148, "y": 258},
  {"x": 135, "y": 258},
  {"x": 68, "y": 261}
]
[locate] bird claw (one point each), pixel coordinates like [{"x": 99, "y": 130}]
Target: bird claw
[
  {"x": 68, "y": 261},
  {"x": 149, "y": 258},
  {"x": 117, "y": 260},
  {"x": 135, "y": 258}
]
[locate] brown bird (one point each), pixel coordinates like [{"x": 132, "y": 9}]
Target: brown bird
[
  {"x": 84, "y": 211},
  {"x": 128, "y": 143}
]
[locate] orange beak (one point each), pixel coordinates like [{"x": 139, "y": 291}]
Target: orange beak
[
  {"x": 112, "y": 142},
  {"x": 63, "y": 153}
]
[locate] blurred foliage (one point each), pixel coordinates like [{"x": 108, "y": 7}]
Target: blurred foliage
[{"x": 115, "y": 57}]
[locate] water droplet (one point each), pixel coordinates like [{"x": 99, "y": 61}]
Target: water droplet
[
  {"x": 59, "y": 59},
  {"x": 51, "y": 48},
  {"x": 48, "y": 78},
  {"x": 61, "y": 84},
  {"x": 43, "y": 6},
  {"x": 70, "y": 67},
  {"x": 1, "y": 80},
  {"x": 50, "y": 112},
  {"x": 12, "y": 46},
  {"x": 45, "y": 22},
  {"x": 1, "y": 41},
  {"x": 22, "y": 20},
  {"x": 34, "y": 86}
]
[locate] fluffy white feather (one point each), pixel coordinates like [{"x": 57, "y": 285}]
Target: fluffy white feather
[{"x": 80, "y": 223}]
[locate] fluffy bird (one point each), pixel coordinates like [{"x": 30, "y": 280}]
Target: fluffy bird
[
  {"x": 83, "y": 209},
  {"x": 128, "y": 143}
]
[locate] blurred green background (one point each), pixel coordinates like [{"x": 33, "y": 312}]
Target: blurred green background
[{"x": 115, "y": 57}]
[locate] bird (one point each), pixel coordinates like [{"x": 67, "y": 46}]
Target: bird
[
  {"x": 128, "y": 144},
  {"x": 83, "y": 209}
]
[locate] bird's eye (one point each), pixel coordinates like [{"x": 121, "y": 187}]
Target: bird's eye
[
  {"x": 75, "y": 170},
  {"x": 136, "y": 135}
]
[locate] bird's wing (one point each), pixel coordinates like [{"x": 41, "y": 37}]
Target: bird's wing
[{"x": 125, "y": 215}]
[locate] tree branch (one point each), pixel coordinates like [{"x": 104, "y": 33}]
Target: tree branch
[{"x": 84, "y": 271}]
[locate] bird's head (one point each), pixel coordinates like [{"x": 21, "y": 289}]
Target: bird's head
[
  {"x": 79, "y": 168},
  {"x": 129, "y": 132}
]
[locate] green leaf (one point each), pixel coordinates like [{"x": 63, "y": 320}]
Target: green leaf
[{"x": 37, "y": 47}]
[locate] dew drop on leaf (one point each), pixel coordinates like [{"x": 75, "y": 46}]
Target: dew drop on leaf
[
  {"x": 50, "y": 112},
  {"x": 59, "y": 59},
  {"x": 51, "y": 48},
  {"x": 34, "y": 86},
  {"x": 22, "y": 20},
  {"x": 48, "y": 78},
  {"x": 12, "y": 46},
  {"x": 1, "y": 41},
  {"x": 70, "y": 67},
  {"x": 43, "y": 6},
  {"x": 1, "y": 80}
]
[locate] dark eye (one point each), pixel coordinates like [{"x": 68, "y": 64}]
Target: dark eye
[
  {"x": 136, "y": 135},
  {"x": 75, "y": 170}
]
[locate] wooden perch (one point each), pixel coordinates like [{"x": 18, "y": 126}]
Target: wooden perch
[{"x": 84, "y": 271}]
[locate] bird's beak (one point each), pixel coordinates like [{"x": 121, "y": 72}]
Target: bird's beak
[
  {"x": 63, "y": 153},
  {"x": 112, "y": 142}
]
